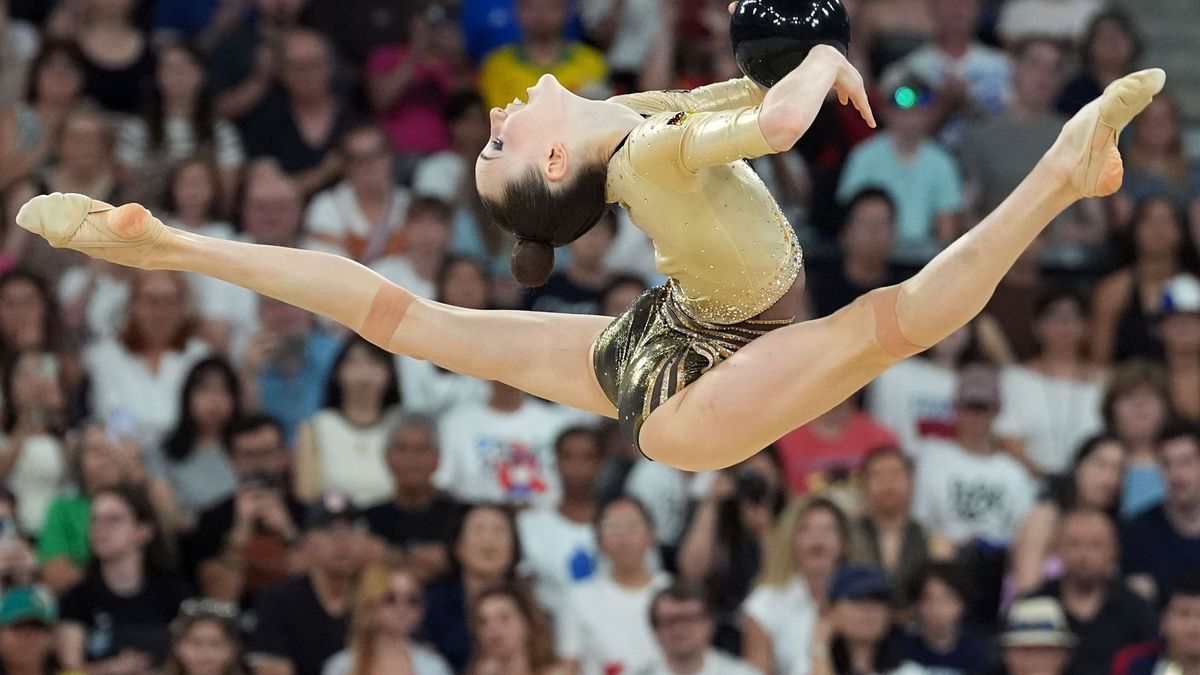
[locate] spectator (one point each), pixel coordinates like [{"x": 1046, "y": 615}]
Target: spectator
[
  {"x": 1179, "y": 651},
  {"x": 18, "y": 562},
  {"x": 18, "y": 48},
  {"x": 178, "y": 124},
  {"x": 684, "y": 626},
  {"x": 490, "y": 24},
  {"x": 117, "y": 617},
  {"x": 969, "y": 489},
  {"x": 576, "y": 288},
  {"x": 83, "y": 155},
  {"x": 272, "y": 210},
  {"x": 1110, "y": 49},
  {"x": 203, "y": 23},
  {"x": 1163, "y": 543},
  {"x": 666, "y": 492},
  {"x": 303, "y": 620},
  {"x": 417, "y": 518},
  {"x": 409, "y": 85},
  {"x": 29, "y": 124},
  {"x": 426, "y": 233},
  {"x": 545, "y": 47},
  {"x": 247, "y": 542},
  {"x": 194, "y": 458},
  {"x": 885, "y": 536},
  {"x": 1012, "y": 306},
  {"x": 861, "y": 636},
  {"x": 1052, "y": 401},
  {"x": 828, "y": 450},
  {"x": 300, "y": 126},
  {"x": 1101, "y": 611},
  {"x": 721, "y": 550},
  {"x": 866, "y": 239},
  {"x": 510, "y": 636},
  {"x": 388, "y": 608},
  {"x": 1036, "y": 638},
  {"x": 448, "y": 175},
  {"x": 1063, "y": 21},
  {"x": 1093, "y": 482},
  {"x": 484, "y": 554},
  {"x": 28, "y": 618},
  {"x": 941, "y": 641},
  {"x": 558, "y": 545},
  {"x": 141, "y": 372},
  {"x": 1136, "y": 407},
  {"x": 1158, "y": 162},
  {"x": 341, "y": 448},
  {"x": 30, "y": 321},
  {"x": 807, "y": 547},
  {"x": 244, "y": 63},
  {"x": 929, "y": 209},
  {"x": 892, "y": 29},
  {"x": 1156, "y": 248},
  {"x": 195, "y": 201},
  {"x": 118, "y": 57},
  {"x": 622, "y": 291},
  {"x": 627, "y": 31},
  {"x": 604, "y": 624},
  {"x": 1178, "y": 327},
  {"x": 362, "y": 216},
  {"x": 206, "y": 639},
  {"x": 33, "y": 464}
]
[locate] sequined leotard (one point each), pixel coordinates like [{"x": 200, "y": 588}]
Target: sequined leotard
[{"x": 718, "y": 235}]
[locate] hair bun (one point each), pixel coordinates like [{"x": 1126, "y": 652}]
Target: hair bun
[{"x": 532, "y": 261}]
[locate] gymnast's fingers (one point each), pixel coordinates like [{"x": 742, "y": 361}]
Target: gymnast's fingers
[{"x": 864, "y": 108}]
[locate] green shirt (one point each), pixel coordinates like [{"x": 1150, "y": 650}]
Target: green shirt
[{"x": 65, "y": 532}]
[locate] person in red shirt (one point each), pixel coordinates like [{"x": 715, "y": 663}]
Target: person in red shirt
[{"x": 829, "y": 449}]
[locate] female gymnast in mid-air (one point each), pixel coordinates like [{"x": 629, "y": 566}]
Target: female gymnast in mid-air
[{"x": 709, "y": 368}]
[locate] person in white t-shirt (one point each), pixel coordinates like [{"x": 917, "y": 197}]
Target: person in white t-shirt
[
  {"x": 558, "y": 545},
  {"x": 426, "y": 241},
  {"x": 969, "y": 489},
  {"x": 604, "y": 624},
  {"x": 684, "y": 627},
  {"x": 667, "y": 495},
  {"x": 1064, "y": 20}
]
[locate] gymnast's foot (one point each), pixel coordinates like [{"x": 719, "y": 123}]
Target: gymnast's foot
[
  {"x": 127, "y": 234},
  {"x": 1086, "y": 149}
]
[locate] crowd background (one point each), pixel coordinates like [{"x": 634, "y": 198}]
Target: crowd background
[{"x": 199, "y": 480}]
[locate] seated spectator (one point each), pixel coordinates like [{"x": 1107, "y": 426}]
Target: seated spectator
[
  {"x": 30, "y": 321},
  {"x": 1110, "y": 48},
  {"x": 1163, "y": 543},
  {"x": 926, "y": 210},
  {"x": 684, "y": 626},
  {"x": 206, "y": 639},
  {"x": 1158, "y": 163},
  {"x": 194, "y": 458},
  {"x": 449, "y": 175},
  {"x": 1064, "y": 21},
  {"x": 1012, "y": 306},
  {"x": 1179, "y": 650},
  {"x": 18, "y": 560},
  {"x": 417, "y": 518},
  {"x": 866, "y": 239},
  {"x": 247, "y": 542},
  {"x": 195, "y": 200},
  {"x": 885, "y": 536},
  {"x": 544, "y": 47},
  {"x": 511, "y": 636},
  {"x": 892, "y": 29},
  {"x": 18, "y": 47},
  {"x": 828, "y": 450},
  {"x": 178, "y": 125},
  {"x": 1178, "y": 327},
  {"x": 941, "y": 640},
  {"x": 627, "y": 31},
  {"x": 362, "y": 217},
  {"x": 426, "y": 232},
  {"x": 117, "y": 617},
  {"x": 33, "y": 463},
  {"x": 1136, "y": 408},
  {"x": 576, "y": 288},
  {"x": 666, "y": 492},
  {"x": 604, "y": 624},
  {"x": 1036, "y": 638},
  {"x": 303, "y": 620},
  {"x": 484, "y": 553},
  {"x": 803, "y": 554},
  {"x": 83, "y": 156},
  {"x": 341, "y": 448},
  {"x": 244, "y": 60},
  {"x": 1051, "y": 402},
  {"x": 622, "y": 291},
  {"x": 28, "y": 124},
  {"x": 388, "y": 608},
  {"x": 301, "y": 125},
  {"x": 28, "y": 619},
  {"x": 558, "y": 544},
  {"x": 1101, "y": 611},
  {"x": 118, "y": 56},
  {"x": 1092, "y": 482},
  {"x": 861, "y": 638},
  {"x": 721, "y": 550}
]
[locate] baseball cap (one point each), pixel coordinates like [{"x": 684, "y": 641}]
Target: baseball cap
[
  {"x": 1181, "y": 295},
  {"x": 28, "y": 604},
  {"x": 329, "y": 508},
  {"x": 855, "y": 582},
  {"x": 978, "y": 384},
  {"x": 1037, "y": 622}
]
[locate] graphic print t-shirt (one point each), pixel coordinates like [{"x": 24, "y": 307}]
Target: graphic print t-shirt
[{"x": 967, "y": 496}]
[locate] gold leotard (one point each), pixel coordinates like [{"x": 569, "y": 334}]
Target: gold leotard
[{"x": 718, "y": 235}]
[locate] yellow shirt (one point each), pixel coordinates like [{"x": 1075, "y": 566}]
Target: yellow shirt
[
  {"x": 507, "y": 72},
  {"x": 716, "y": 229}
]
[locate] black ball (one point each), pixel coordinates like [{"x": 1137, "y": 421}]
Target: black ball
[{"x": 771, "y": 37}]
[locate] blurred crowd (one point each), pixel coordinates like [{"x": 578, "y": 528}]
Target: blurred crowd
[{"x": 197, "y": 480}]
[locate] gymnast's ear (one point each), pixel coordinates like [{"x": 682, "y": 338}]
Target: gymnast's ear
[
  {"x": 557, "y": 163},
  {"x": 532, "y": 262}
]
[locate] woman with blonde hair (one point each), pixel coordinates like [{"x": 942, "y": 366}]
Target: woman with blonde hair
[
  {"x": 387, "y": 611},
  {"x": 511, "y": 636},
  {"x": 809, "y": 545}
]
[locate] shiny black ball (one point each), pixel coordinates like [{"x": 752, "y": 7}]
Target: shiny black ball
[{"x": 771, "y": 37}]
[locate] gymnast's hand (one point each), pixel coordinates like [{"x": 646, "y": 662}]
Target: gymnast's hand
[
  {"x": 127, "y": 234},
  {"x": 789, "y": 108}
]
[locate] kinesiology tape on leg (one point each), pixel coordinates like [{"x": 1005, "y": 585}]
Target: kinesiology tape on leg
[{"x": 888, "y": 334}]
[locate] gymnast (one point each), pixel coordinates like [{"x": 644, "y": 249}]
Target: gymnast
[{"x": 709, "y": 368}]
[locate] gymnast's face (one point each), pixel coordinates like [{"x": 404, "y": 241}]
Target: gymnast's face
[{"x": 528, "y": 135}]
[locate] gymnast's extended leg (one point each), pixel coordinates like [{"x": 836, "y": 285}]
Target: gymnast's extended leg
[{"x": 791, "y": 375}]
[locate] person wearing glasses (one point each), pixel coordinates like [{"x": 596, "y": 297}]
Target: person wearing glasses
[
  {"x": 388, "y": 610},
  {"x": 684, "y": 626},
  {"x": 205, "y": 639}
]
